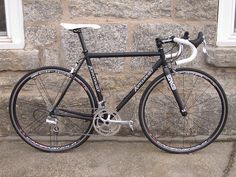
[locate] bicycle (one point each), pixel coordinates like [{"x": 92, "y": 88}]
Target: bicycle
[{"x": 182, "y": 110}]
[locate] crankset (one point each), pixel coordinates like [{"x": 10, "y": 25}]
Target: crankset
[{"x": 108, "y": 123}]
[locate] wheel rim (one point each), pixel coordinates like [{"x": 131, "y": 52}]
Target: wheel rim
[
  {"x": 30, "y": 111},
  {"x": 168, "y": 129}
]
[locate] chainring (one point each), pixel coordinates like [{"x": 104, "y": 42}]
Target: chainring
[{"x": 102, "y": 124}]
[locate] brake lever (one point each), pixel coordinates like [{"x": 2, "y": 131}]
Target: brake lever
[{"x": 204, "y": 49}]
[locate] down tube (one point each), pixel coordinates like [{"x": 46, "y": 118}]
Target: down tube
[{"x": 136, "y": 88}]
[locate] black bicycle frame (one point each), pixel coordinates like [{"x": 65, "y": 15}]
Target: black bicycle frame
[
  {"x": 125, "y": 54},
  {"x": 149, "y": 73}
]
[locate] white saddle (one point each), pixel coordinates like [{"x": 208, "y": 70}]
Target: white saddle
[{"x": 71, "y": 26}]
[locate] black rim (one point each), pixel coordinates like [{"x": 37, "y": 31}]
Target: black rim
[
  {"x": 21, "y": 132},
  {"x": 200, "y": 145}
]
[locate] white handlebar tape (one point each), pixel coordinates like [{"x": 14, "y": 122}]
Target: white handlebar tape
[{"x": 193, "y": 48}]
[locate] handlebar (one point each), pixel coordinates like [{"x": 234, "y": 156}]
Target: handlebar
[
  {"x": 193, "y": 48},
  {"x": 199, "y": 40},
  {"x": 193, "y": 44}
]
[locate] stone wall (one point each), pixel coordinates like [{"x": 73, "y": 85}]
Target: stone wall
[{"x": 125, "y": 26}]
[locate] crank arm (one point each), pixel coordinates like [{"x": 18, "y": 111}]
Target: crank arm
[{"x": 123, "y": 122}]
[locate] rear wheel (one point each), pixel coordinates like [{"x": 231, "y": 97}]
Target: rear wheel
[
  {"x": 33, "y": 98},
  {"x": 206, "y": 105}
]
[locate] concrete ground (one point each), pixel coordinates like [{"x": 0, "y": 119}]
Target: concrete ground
[{"x": 120, "y": 157}]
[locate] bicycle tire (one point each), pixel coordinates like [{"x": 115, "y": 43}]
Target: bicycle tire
[
  {"x": 204, "y": 122},
  {"x": 29, "y": 109}
]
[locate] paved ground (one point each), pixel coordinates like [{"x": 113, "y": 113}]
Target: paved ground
[{"x": 122, "y": 158}]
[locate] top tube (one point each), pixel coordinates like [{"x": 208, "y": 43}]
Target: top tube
[{"x": 122, "y": 54}]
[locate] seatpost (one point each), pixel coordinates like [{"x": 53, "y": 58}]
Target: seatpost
[{"x": 81, "y": 38}]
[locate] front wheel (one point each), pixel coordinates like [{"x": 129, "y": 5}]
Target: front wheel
[
  {"x": 164, "y": 125},
  {"x": 31, "y": 103}
]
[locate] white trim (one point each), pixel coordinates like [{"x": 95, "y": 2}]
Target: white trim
[
  {"x": 15, "y": 29},
  {"x": 226, "y": 35},
  {"x": 3, "y": 34}
]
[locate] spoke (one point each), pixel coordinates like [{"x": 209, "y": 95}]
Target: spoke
[
  {"x": 159, "y": 122},
  {"x": 55, "y": 138},
  {"x": 168, "y": 98},
  {"x": 200, "y": 126},
  {"x": 50, "y": 130},
  {"x": 73, "y": 124},
  {"x": 32, "y": 123},
  {"x": 36, "y": 105},
  {"x": 195, "y": 140},
  {"x": 203, "y": 102},
  {"x": 191, "y": 135},
  {"x": 161, "y": 115},
  {"x": 204, "y": 111},
  {"x": 162, "y": 105},
  {"x": 67, "y": 105},
  {"x": 43, "y": 92},
  {"x": 60, "y": 89},
  {"x": 37, "y": 127},
  {"x": 198, "y": 97},
  {"x": 174, "y": 125},
  {"x": 183, "y": 90},
  {"x": 164, "y": 119},
  {"x": 183, "y": 132},
  {"x": 208, "y": 120},
  {"x": 165, "y": 104},
  {"x": 74, "y": 105},
  {"x": 191, "y": 90}
]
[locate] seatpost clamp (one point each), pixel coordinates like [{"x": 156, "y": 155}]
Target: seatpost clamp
[{"x": 78, "y": 30}]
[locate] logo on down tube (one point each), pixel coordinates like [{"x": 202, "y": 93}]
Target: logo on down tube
[{"x": 171, "y": 82}]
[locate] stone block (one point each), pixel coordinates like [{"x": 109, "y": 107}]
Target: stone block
[
  {"x": 209, "y": 32},
  {"x": 109, "y": 64},
  {"x": 145, "y": 34},
  {"x": 8, "y": 80},
  {"x": 40, "y": 35},
  {"x": 6, "y": 127},
  {"x": 121, "y": 9},
  {"x": 197, "y": 10},
  {"x": 51, "y": 57},
  {"x": 41, "y": 10},
  {"x": 110, "y": 38},
  {"x": 118, "y": 83},
  {"x": 222, "y": 57},
  {"x": 130, "y": 112},
  {"x": 231, "y": 123},
  {"x": 18, "y": 60},
  {"x": 144, "y": 40}
]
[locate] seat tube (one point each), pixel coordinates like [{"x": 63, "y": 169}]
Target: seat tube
[
  {"x": 94, "y": 79},
  {"x": 90, "y": 66}
]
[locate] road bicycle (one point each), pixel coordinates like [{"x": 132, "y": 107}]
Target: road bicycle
[{"x": 182, "y": 110}]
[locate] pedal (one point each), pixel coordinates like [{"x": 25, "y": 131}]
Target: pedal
[{"x": 131, "y": 125}]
